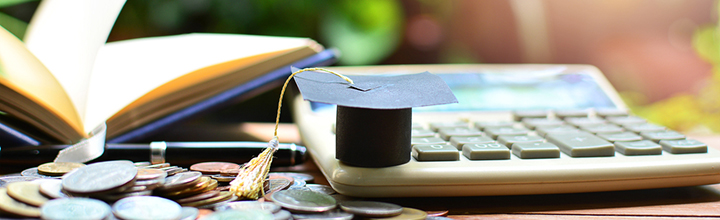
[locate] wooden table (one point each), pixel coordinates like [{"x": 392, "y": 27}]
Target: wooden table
[{"x": 698, "y": 202}]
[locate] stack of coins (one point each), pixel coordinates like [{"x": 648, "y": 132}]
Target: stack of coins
[{"x": 108, "y": 181}]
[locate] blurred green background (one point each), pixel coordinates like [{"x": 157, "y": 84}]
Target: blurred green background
[{"x": 661, "y": 55}]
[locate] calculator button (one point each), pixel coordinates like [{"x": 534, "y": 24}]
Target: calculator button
[
  {"x": 644, "y": 127},
  {"x": 638, "y": 148},
  {"x": 625, "y": 120},
  {"x": 662, "y": 135},
  {"x": 459, "y": 142},
  {"x": 684, "y": 146},
  {"x": 602, "y": 129},
  {"x": 427, "y": 140},
  {"x": 543, "y": 131},
  {"x": 610, "y": 112},
  {"x": 535, "y": 150},
  {"x": 522, "y": 114},
  {"x": 577, "y": 122},
  {"x": 624, "y": 136},
  {"x": 510, "y": 140},
  {"x": 435, "y": 152},
  {"x": 582, "y": 145},
  {"x": 446, "y": 133},
  {"x": 482, "y": 125},
  {"x": 495, "y": 132},
  {"x": 577, "y": 113},
  {"x": 435, "y": 126},
  {"x": 418, "y": 133},
  {"x": 490, "y": 151},
  {"x": 532, "y": 123}
]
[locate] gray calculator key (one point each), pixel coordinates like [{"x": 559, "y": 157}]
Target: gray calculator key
[
  {"x": 427, "y": 140},
  {"x": 459, "y": 142},
  {"x": 535, "y": 150},
  {"x": 435, "y": 126},
  {"x": 435, "y": 152},
  {"x": 638, "y": 148},
  {"x": 489, "y": 151},
  {"x": 495, "y": 132},
  {"x": 577, "y": 122},
  {"x": 610, "y": 112},
  {"x": 519, "y": 115},
  {"x": 684, "y": 146},
  {"x": 543, "y": 131},
  {"x": 533, "y": 123},
  {"x": 624, "y": 136},
  {"x": 567, "y": 113},
  {"x": 446, "y": 133},
  {"x": 510, "y": 140},
  {"x": 643, "y": 127},
  {"x": 625, "y": 120},
  {"x": 482, "y": 125},
  {"x": 658, "y": 136},
  {"x": 582, "y": 145},
  {"x": 602, "y": 129},
  {"x": 420, "y": 132}
]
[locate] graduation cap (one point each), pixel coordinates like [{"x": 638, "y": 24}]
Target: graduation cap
[{"x": 374, "y": 114}]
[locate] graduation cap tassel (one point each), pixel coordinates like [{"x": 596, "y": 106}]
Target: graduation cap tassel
[{"x": 251, "y": 178}]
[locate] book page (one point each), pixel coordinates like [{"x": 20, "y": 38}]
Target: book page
[
  {"x": 22, "y": 72},
  {"x": 66, "y": 35},
  {"x": 127, "y": 70}
]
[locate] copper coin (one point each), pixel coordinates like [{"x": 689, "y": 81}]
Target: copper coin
[
  {"x": 204, "y": 212},
  {"x": 230, "y": 172},
  {"x": 190, "y": 190},
  {"x": 198, "y": 197},
  {"x": 223, "y": 188},
  {"x": 437, "y": 213},
  {"x": 58, "y": 168},
  {"x": 213, "y": 167},
  {"x": 150, "y": 174}
]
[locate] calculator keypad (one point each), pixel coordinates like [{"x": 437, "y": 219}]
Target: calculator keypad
[{"x": 544, "y": 135}]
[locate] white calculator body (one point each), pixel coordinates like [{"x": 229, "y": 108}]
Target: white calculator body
[{"x": 543, "y": 103}]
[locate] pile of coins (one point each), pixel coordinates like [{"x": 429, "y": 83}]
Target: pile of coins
[{"x": 127, "y": 190}]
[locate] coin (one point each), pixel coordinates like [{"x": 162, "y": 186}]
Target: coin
[
  {"x": 58, "y": 168},
  {"x": 189, "y": 213},
  {"x": 244, "y": 205},
  {"x": 213, "y": 167},
  {"x": 371, "y": 208},
  {"x": 334, "y": 215},
  {"x": 198, "y": 197},
  {"x": 213, "y": 205},
  {"x": 33, "y": 172},
  {"x": 240, "y": 215},
  {"x": 205, "y": 184},
  {"x": 142, "y": 164},
  {"x": 437, "y": 218},
  {"x": 9, "y": 205},
  {"x": 99, "y": 177},
  {"x": 224, "y": 179},
  {"x": 230, "y": 172},
  {"x": 150, "y": 174},
  {"x": 4, "y": 180},
  {"x": 278, "y": 183},
  {"x": 52, "y": 188},
  {"x": 301, "y": 200},
  {"x": 282, "y": 215},
  {"x": 222, "y": 196},
  {"x": 297, "y": 176},
  {"x": 75, "y": 208},
  {"x": 160, "y": 165},
  {"x": 321, "y": 188},
  {"x": 437, "y": 213},
  {"x": 27, "y": 192},
  {"x": 179, "y": 180},
  {"x": 146, "y": 207},
  {"x": 407, "y": 214}
]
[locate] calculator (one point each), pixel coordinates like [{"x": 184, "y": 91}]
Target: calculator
[{"x": 517, "y": 129}]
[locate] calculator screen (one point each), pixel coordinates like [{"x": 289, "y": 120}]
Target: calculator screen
[{"x": 518, "y": 91}]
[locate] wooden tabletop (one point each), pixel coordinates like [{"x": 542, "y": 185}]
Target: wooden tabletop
[{"x": 698, "y": 202}]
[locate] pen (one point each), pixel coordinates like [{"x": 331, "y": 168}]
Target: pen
[{"x": 175, "y": 153}]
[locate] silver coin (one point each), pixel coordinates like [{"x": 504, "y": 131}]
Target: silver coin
[
  {"x": 298, "y": 183},
  {"x": 99, "y": 177},
  {"x": 437, "y": 218},
  {"x": 146, "y": 207},
  {"x": 298, "y": 176},
  {"x": 33, "y": 172},
  {"x": 240, "y": 215},
  {"x": 282, "y": 215},
  {"x": 142, "y": 164},
  {"x": 75, "y": 208},
  {"x": 52, "y": 188},
  {"x": 302, "y": 200},
  {"x": 321, "y": 188},
  {"x": 334, "y": 215},
  {"x": 189, "y": 213},
  {"x": 4, "y": 180},
  {"x": 245, "y": 205},
  {"x": 180, "y": 179},
  {"x": 371, "y": 208}
]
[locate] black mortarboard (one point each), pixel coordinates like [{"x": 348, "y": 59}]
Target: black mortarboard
[{"x": 374, "y": 114}]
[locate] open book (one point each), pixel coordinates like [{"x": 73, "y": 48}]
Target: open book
[{"x": 56, "y": 89}]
